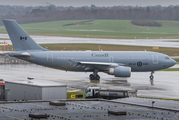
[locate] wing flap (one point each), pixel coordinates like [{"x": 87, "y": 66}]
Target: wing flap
[
  {"x": 98, "y": 63},
  {"x": 93, "y": 65}
]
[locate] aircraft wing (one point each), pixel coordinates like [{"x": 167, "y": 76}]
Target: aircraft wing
[{"x": 93, "y": 65}]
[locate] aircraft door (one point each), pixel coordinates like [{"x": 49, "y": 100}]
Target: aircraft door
[
  {"x": 155, "y": 59},
  {"x": 111, "y": 59},
  {"x": 49, "y": 57}
]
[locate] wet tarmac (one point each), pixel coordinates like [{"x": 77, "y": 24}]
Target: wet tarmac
[
  {"x": 134, "y": 42},
  {"x": 165, "y": 84}
]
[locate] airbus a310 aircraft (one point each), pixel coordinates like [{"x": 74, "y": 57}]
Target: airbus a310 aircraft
[{"x": 117, "y": 63}]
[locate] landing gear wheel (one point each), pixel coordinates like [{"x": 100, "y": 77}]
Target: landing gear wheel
[
  {"x": 97, "y": 77},
  {"x": 91, "y": 77},
  {"x": 151, "y": 77}
]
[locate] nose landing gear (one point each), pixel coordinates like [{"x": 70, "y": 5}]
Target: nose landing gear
[{"x": 151, "y": 76}]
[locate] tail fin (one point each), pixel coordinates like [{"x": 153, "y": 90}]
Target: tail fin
[{"x": 20, "y": 39}]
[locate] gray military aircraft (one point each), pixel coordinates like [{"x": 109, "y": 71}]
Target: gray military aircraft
[{"x": 117, "y": 63}]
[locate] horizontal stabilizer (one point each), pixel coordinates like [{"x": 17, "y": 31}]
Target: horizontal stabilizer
[
  {"x": 3, "y": 52},
  {"x": 24, "y": 55}
]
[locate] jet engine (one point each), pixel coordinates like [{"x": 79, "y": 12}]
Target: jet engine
[{"x": 120, "y": 71}]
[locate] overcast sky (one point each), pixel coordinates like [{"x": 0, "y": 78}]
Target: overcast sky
[{"x": 78, "y": 3}]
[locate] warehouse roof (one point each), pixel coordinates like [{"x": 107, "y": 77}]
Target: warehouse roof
[{"x": 38, "y": 82}]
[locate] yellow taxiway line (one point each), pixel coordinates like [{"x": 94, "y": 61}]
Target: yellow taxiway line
[{"x": 14, "y": 117}]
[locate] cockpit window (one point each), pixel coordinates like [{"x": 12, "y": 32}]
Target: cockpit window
[{"x": 167, "y": 58}]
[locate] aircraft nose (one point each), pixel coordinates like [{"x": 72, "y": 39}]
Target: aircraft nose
[{"x": 173, "y": 62}]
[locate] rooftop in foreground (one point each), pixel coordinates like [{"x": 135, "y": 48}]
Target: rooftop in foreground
[{"x": 86, "y": 109}]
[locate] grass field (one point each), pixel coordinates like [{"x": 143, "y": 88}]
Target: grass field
[
  {"x": 171, "y": 69},
  {"x": 121, "y": 29}
]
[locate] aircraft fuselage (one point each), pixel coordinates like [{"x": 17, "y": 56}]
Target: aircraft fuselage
[{"x": 137, "y": 60}]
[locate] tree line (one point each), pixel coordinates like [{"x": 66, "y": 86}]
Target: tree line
[{"x": 53, "y": 13}]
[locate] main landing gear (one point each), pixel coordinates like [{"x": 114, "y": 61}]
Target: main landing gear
[
  {"x": 95, "y": 75},
  {"x": 151, "y": 76},
  {"x": 92, "y": 77}
]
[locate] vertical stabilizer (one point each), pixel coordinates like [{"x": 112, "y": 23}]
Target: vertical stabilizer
[{"x": 20, "y": 39}]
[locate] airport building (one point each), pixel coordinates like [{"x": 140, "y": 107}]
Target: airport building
[
  {"x": 2, "y": 90},
  {"x": 18, "y": 90}
]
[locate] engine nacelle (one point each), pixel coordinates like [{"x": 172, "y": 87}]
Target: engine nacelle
[{"x": 120, "y": 71}]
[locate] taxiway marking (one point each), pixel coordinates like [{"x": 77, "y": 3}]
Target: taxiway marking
[
  {"x": 39, "y": 105},
  {"x": 14, "y": 117}
]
